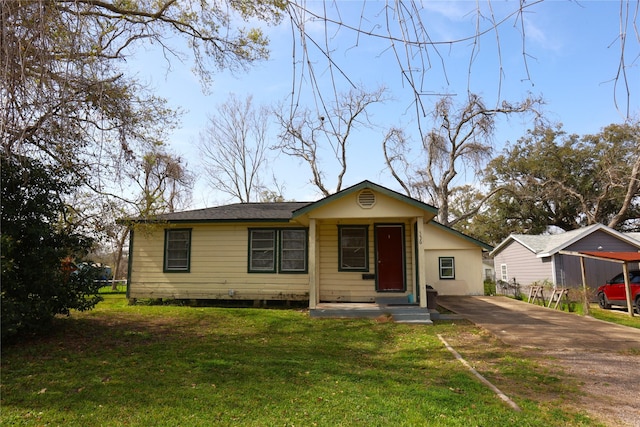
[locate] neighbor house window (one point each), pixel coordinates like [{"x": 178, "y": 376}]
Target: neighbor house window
[
  {"x": 447, "y": 268},
  {"x": 353, "y": 242},
  {"x": 503, "y": 273},
  {"x": 278, "y": 250},
  {"x": 177, "y": 250}
]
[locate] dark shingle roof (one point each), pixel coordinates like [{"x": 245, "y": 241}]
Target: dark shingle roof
[
  {"x": 277, "y": 211},
  {"x": 544, "y": 245},
  {"x": 280, "y": 211}
]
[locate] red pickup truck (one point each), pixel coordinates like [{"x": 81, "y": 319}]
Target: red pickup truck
[{"x": 613, "y": 292}]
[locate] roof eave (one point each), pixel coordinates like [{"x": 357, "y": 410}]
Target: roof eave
[
  {"x": 511, "y": 237},
  {"x": 463, "y": 236},
  {"x": 202, "y": 221},
  {"x": 590, "y": 230}
]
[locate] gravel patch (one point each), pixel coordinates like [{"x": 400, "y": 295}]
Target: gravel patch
[
  {"x": 609, "y": 381},
  {"x": 602, "y": 357}
]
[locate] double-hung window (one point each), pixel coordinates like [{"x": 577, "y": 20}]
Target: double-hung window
[
  {"x": 447, "y": 268},
  {"x": 177, "y": 250},
  {"x": 262, "y": 251},
  {"x": 278, "y": 250},
  {"x": 503, "y": 273},
  {"x": 293, "y": 251},
  {"x": 353, "y": 244}
]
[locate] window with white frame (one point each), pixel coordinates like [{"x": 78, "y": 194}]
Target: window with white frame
[
  {"x": 447, "y": 268},
  {"x": 503, "y": 273}
]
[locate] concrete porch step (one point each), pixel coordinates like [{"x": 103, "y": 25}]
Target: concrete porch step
[
  {"x": 345, "y": 312},
  {"x": 392, "y": 300},
  {"x": 399, "y": 313},
  {"x": 422, "y": 317}
]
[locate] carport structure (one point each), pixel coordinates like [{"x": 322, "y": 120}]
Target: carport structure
[{"x": 623, "y": 258}]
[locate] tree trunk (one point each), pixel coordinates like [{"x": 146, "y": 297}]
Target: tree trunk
[{"x": 118, "y": 259}]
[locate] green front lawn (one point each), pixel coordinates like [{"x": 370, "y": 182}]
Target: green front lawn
[
  {"x": 170, "y": 365},
  {"x": 619, "y": 315}
]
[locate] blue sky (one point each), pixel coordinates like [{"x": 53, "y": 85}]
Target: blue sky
[{"x": 572, "y": 56}]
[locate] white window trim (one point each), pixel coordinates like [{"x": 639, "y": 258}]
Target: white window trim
[
  {"x": 452, "y": 267},
  {"x": 504, "y": 276}
]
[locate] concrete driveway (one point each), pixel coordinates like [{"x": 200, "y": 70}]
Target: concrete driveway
[{"x": 523, "y": 324}]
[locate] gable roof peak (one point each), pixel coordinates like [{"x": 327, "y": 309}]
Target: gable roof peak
[
  {"x": 544, "y": 245},
  {"x": 366, "y": 184}
]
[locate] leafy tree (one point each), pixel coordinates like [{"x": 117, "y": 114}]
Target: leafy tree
[
  {"x": 37, "y": 247},
  {"x": 460, "y": 139},
  {"x": 66, "y": 102},
  {"x": 486, "y": 225},
  {"x": 617, "y": 148},
  {"x": 550, "y": 178},
  {"x": 76, "y": 107}
]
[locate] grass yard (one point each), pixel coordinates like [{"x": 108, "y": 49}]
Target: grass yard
[
  {"x": 184, "y": 366},
  {"x": 618, "y": 315}
]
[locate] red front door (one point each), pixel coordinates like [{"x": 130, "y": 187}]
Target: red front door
[{"x": 390, "y": 258}]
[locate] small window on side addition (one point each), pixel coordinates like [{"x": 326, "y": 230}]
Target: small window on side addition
[{"x": 447, "y": 268}]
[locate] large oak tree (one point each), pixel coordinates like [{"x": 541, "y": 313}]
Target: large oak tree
[
  {"x": 65, "y": 95},
  {"x": 550, "y": 178}
]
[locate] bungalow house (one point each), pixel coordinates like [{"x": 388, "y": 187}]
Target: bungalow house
[
  {"x": 538, "y": 258},
  {"x": 359, "y": 245}
]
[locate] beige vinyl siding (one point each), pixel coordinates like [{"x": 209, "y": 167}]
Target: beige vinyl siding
[
  {"x": 219, "y": 268},
  {"x": 347, "y": 286},
  {"x": 467, "y": 257},
  {"x": 468, "y": 272},
  {"x": 386, "y": 209}
]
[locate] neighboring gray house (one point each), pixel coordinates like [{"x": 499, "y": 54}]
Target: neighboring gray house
[
  {"x": 537, "y": 258},
  {"x": 488, "y": 269},
  {"x": 635, "y": 236}
]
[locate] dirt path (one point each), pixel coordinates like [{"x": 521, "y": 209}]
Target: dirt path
[{"x": 603, "y": 357}]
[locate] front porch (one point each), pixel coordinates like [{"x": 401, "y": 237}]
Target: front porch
[{"x": 398, "y": 311}]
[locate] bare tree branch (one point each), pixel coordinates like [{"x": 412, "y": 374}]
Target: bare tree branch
[
  {"x": 234, "y": 149},
  {"x": 306, "y": 134},
  {"x": 460, "y": 139}
]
